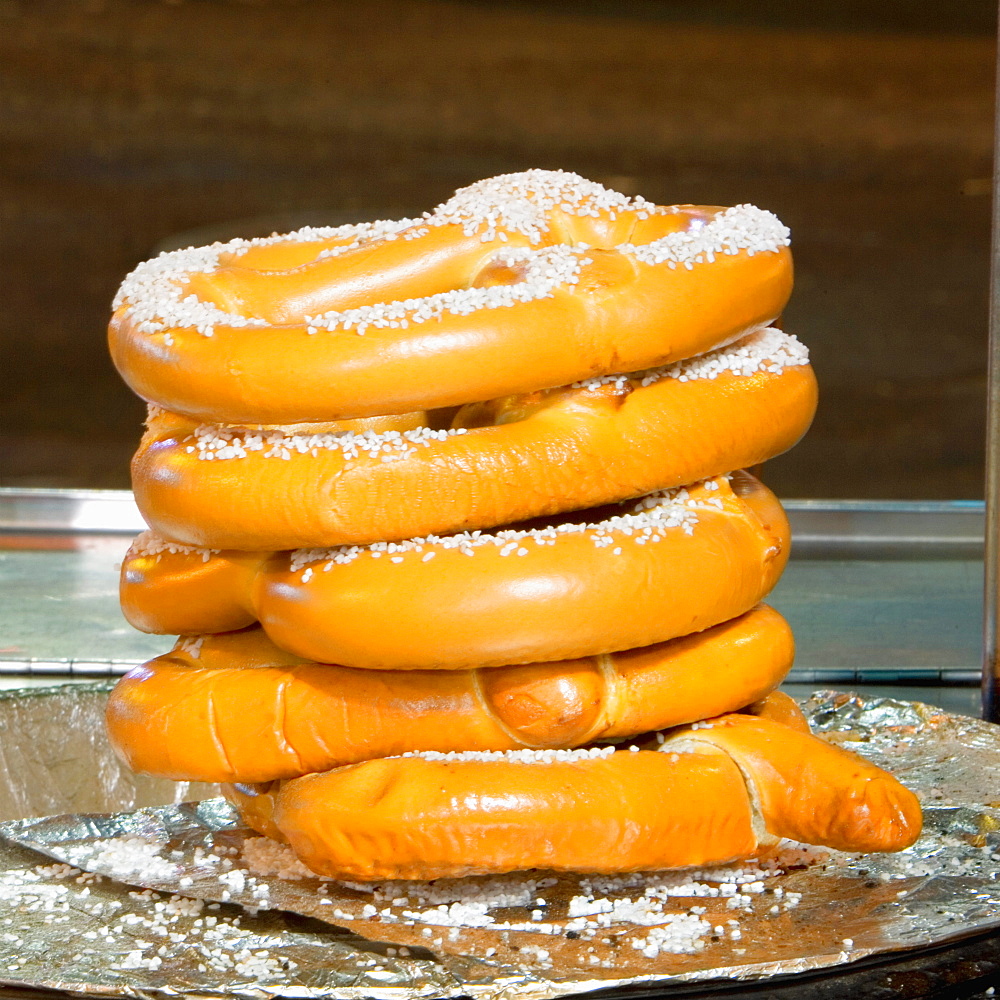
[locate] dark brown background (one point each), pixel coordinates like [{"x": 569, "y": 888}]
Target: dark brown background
[{"x": 866, "y": 126}]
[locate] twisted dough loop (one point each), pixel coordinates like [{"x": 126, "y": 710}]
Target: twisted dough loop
[
  {"x": 240, "y": 709},
  {"x": 682, "y": 562},
  {"x": 708, "y": 795},
  {"x": 507, "y": 460},
  {"x": 525, "y": 282}
]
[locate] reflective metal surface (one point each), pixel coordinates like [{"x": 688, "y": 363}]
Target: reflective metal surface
[
  {"x": 73, "y": 511},
  {"x": 528, "y": 935},
  {"x": 822, "y": 528},
  {"x": 886, "y": 529},
  {"x": 60, "y": 607}
]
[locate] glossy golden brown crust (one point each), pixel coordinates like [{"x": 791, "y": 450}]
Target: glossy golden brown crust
[
  {"x": 621, "y": 315},
  {"x": 778, "y": 707},
  {"x": 256, "y": 803},
  {"x": 676, "y": 806},
  {"x": 410, "y": 818},
  {"x": 811, "y": 791},
  {"x": 353, "y": 613},
  {"x": 536, "y": 601},
  {"x": 244, "y": 710},
  {"x": 572, "y": 449},
  {"x": 569, "y": 596},
  {"x": 187, "y": 593}
]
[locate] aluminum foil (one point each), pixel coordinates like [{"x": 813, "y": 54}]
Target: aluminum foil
[
  {"x": 186, "y": 902},
  {"x": 55, "y": 757}
]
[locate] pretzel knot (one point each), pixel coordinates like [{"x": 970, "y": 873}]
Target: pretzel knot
[{"x": 518, "y": 283}]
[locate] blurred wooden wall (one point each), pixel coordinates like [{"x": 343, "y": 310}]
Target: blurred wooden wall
[{"x": 125, "y": 123}]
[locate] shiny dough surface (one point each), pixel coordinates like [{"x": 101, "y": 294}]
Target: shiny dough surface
[
  {"x": 685, "y": 561},
  {"x": 518, "y": 283},
  {"x": 236, "y": 708},
  {"x": 417, "y": 819},
  {"x": 708, "y": 794},
  {"x": 506, "y": 460}
]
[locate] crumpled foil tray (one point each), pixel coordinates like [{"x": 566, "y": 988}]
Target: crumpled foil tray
[{"x": 177, "y": 899}]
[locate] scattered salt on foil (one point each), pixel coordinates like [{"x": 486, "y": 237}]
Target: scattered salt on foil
[{"x": 557, "y": 932}]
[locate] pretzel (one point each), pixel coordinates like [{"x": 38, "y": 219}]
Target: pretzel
[
  {"x": 256, "y": 801},
  {"x": 236, "y": 708},
  {"x": 167, "y": 422},
  {"x": 505, "y": 461},
  {"x": 697, "y": 800},
  {"x": 673, "y": 563},
  {"x": 183, "y": 590},
  {"x": 519, "y": 283}
]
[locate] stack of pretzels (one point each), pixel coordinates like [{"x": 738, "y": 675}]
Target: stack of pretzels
[{"x": 444, "y": 512}]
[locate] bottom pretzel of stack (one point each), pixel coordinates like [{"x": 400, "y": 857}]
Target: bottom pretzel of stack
[
  {"x": 709, "y": 794},
  {"x": 256, "y": 801}
]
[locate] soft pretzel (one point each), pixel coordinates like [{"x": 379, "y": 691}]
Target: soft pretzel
[
  {"x": 691, "y": 802},
  {"x": 256, "y": 801},
  {"x": 519, "y": 283},
  {"x": 682, "y": 561},
  {"x": 234, "y": 707},
  {"x": 507, "y": 460},
  {"x": 167, "y": 422},
  {"x": 600, "y": 581},
  {"x": 566, "y": 810},
  {"x": 183, "y": 590}
]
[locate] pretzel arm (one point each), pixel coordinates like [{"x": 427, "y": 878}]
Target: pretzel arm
[
  {"x": 417, "y": 262},
  {"x": 809, "y": 790}
]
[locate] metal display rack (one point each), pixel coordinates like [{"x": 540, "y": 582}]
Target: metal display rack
[{"x": 991, "y": 607}]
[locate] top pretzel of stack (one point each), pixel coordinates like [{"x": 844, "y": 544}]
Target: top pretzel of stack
[{"x": 518, "y": 283}]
